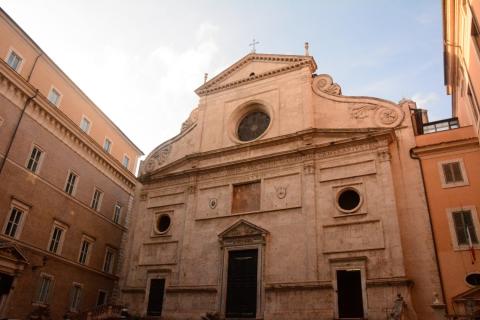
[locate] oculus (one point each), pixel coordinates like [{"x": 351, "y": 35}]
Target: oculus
[
  {"x": 473, "y": 279},
  {"x": 348, "y": 200},
  {"x": 163, "y": 223},
  {"x": 253, "y": 125}
]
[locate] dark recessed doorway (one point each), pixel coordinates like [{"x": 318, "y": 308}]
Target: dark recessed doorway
[
  {"x": 242, "y": 284},
  {"x": 349, "y": 294}
]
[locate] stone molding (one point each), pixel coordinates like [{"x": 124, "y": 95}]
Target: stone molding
[
  {"x": 297, "y": 62},
  {"x": 198, "y": 288},
  {"x": 324, "y": 83},
  {"x": 383, "y": 113},
  {"x": 242, "y": 233},
  {"x": 14, "y": 88},
  {"x": 367, "y": 142},
  {"x": 313, "y": 285},
  {"x": 61, "y": 259}
]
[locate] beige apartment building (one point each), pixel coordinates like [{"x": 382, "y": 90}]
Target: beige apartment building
[
  {"x": 66, "y": 187},
  {"x": 449, "y": 153}
]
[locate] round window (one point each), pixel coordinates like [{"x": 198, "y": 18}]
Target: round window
[
  {"x": 253, "y": 125},
  {"x": 163, "y": 223},
  {"x": 349, "y": 200},
  {"x": 473, "y": 279}
]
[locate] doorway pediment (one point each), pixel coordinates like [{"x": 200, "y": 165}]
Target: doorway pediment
[
  {"x": 10, "y": 252},
  {"x": 242, "y": 228}
]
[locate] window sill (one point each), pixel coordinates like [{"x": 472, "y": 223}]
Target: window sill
[{"x": 454, "y": 185}]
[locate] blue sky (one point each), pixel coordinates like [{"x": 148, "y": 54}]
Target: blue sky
[{"x": 140, "y": 61}]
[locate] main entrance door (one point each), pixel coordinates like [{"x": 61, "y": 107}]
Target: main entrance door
[
  {"x": 349, "y": 291},
  {"x": 242, "y": 284},
  {"x": 155, "y": 297}
]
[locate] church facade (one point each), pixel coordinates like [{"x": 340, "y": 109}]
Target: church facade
[{"x": 281, "y": 198}]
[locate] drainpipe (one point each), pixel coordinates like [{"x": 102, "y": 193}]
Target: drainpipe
[
  {"x": 10, "y": 143},
  {"x": 415, "y": 157},
  {"x": 21, "y": 116},
  {"x": 33, "y": 67}
]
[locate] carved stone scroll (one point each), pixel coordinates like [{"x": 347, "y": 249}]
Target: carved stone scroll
[
  {"x": 157, "y": 158},
  {"x": 380, "y": 115},
  {"x": 192, "y": 119},
  {"x": 324, "y": 84}
]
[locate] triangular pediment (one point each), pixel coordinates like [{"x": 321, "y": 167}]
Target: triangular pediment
[
  {"x": 11, "y": 252},
  {"x": 470, "y": 294},
  {"x": 242, "y": 228},
  {"x": 254, "y": 67}
]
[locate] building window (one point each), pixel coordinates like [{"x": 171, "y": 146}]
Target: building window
[
  {"x": 475, "y": 36},
  {"x": 109, "y": 260},
  {"x": 54, "y": 96},
  {"x": 125, "y": 161},
  {"x": 246, "y": 197},
  {"x": 463, "y": 223},
  {"x": 107, "y": 145},
  {"x": 349, "y": 200},
  {"x": 14, "y": 60},
  {"x": 464, "y": 227},
  {"x": 96, "y": 200},
  {"x": 45, "y": 288},
  {"x": 473, "y": 104},
  {"x": 117, "y": 213},
  {"x": 85, "y": 246},
  {"x": 56, "y": 238},
  {"x": 163, "y": 223},
  {"x": 102, "y": 298},
  {"x": 13, "y": 222},
  {"x": 253, "y": 125},
  {"x": 33, "y": 163},
  {"x": 453, "y": 173},
  {"x": 71, "y": 183},
  {"x": 85, "y": 124},
  {"x": 75, "y": 297}
]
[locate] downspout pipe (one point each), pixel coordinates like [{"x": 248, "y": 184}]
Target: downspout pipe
[
  {"x": 414, "y": 156},
  {"x": 10, "y": 143}
]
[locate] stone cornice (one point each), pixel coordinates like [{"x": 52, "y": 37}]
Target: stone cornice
[
  {"x": 60, "y": 72},
  {"x": 17, "y": 90},
  {"x": 363, "y": 141},
  {"x": 443, "y": 147},
  {"x": 297, "y": 62}
]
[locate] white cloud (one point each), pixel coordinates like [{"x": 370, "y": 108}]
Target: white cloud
[
  {"x": 148, "y": 94},
  {"x": 425, "y": 100}
]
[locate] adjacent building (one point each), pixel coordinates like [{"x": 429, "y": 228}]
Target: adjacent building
[
  {"x": 282, "y": 198},
  {"x": 66, "y": 187},
  {"x": 449, "y": 154}
]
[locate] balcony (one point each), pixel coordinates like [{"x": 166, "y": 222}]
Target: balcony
[{"x": 440, "y": 125}]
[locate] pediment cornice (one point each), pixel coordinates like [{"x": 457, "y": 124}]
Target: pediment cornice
[
  {"x": 294, "y": 62},
  {"x": 356, "y": 140},
  {"x": 18, "y": 91}
]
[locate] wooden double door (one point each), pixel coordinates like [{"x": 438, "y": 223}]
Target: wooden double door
[{"x": 241, "y": 301}]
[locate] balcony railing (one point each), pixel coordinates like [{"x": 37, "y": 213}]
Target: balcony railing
[{"x": 441, "y": 125}]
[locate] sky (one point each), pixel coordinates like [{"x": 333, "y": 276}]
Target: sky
[{"x": 140, "y": 61}]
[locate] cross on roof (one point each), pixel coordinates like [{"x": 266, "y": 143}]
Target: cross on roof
[{"x": 254, "y": 42}]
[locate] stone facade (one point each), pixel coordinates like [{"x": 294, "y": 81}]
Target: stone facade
[{"x": 318, "y": 148}]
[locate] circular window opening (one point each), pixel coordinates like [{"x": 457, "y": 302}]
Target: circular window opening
[
  {"x": 349, "y": 200},
  {"x": 473, "y": 279},
  {"x": 253, "y": 125},
  {"x": 163, "y": 223}
]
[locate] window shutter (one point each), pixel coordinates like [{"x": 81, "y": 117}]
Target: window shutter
[
  {"x": 457, "y": 172},
  {"x": 460, "y": 228},
  {"x": 467, "y": 216},
  {"x": 447, "y": 173},
  {"x": 50, "y": 290}
]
